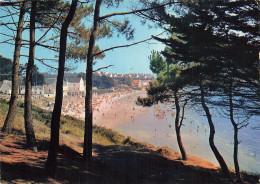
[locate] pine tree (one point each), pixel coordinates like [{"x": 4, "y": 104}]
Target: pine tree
[
  {"x": 7, "y": 128},
  {"x": 28, "y": 119},
  {"x": 50, "y": 168},
  {"x": 217, "y": 41}
]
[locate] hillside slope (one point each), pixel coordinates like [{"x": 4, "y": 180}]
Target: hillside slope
[{"x": 117, "y": 159}]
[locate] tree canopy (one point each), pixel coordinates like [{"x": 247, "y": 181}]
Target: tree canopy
[{"x": 5, "y": 69}]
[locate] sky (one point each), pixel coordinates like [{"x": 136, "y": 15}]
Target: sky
[{"x": 132, "y": 59}]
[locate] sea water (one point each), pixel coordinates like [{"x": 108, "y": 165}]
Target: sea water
[{"x": 156, "y": 127}]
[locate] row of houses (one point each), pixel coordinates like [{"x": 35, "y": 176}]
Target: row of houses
[
  {"x": 135, "y": 76},
  {"x": 71, "y": 87},
  {"x": 140, "y": 83}
]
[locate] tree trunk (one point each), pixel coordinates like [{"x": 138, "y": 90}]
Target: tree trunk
[
  {"x": 87, "y": 147},
  {"x": 235, "y": 126},
  {"x": 221, "y": 161},
  {"x": 7, "y": 128},
  {"x": 178, "y": 127},
  {"x": 28, "y": 120},
  {"x": 50, "y": 167}
]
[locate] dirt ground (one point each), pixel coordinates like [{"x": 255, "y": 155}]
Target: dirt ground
[{"x": 111, "y": 164}]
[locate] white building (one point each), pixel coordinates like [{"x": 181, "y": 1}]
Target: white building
[
  {"x": 73, "y": 87},
  {"x": 21, "y": 90},
  {"x": 49, "y": 90},
  {"x": 38, "y": 90},
  {"x": 6, "y": 87}
]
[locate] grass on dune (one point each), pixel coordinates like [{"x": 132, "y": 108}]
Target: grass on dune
[{"x": 69, "y": 125}]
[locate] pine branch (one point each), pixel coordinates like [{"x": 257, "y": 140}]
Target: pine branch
[
  {"x": 7, "y": 35},
  {"x": 49, "y": 39},
  {"x": 102, "y": 68},
  {"x": 127, "y": 45},
  {"x": 44, "y": 27},
  {"x": 52, "y": 67},
  {"x": 48, "y": 47},
  {"x": 50, "y": 27},
  {"x": 144, "y": 16},
  {"x": 11, "y": 16},
  {"x": 8, "y": 15},
  {"x": 6, "y": 41},
  {"x": 42, "y": 62},
  {"x": 12, "y": 23},
  {"x": 134, "y": 11},
  {"x": 9, "y": 28},
  {"x": 17, "y": 3}
]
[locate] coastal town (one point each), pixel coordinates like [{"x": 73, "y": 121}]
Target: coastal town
[
  {"x": 74, "y": 91},
  {"x": 75, "y": 85}
]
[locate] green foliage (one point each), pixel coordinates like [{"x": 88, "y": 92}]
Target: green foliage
[
  {"x": 109, "y": 134},
  {"x": 79, "y": 52},
  {"x": 37, "y": 78},
  {"x": 123, "y": 80},
  {"x": 69, "y": 125},
  {"x": 157, "y": 63},
  {"x": 105, "y": 31},
  {"x": 170, "y": 76},
  {"x": 81, "y": 12},
  {"x": 158, "y": 91},
  {"x": 124, "y": 29},
  {"x": 135, "y": 144},
  {"x": 214, "y": 43},
  {"x": 51, "y": 12},
  {"x": 5, "y": 69},
  {"x": 103, "y": 82}
]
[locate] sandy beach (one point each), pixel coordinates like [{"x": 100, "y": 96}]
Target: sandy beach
[
  {"x": 155, "y": 125},
  {"x": 109, "y": 110}
]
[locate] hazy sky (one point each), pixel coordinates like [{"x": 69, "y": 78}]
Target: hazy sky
[{"x": 132, "y": 59}]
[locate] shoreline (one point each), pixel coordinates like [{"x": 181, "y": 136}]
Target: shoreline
[
  {"x": 119, "y": 112},
  {"x": 114, "y": 155},
  {"x": 115, "y": 110}
]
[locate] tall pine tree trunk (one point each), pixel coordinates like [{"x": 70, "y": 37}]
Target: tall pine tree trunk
[
  {"x": 28, "y": 120},
  {"x": 87, "y": 147},
  {"x": 7, "y": 128},
  {"x": 50, "y": 167},
  {"x": 221, "y": 161},
  {"x": 235, "y": 126},
  {"x": 178, "y": 127}
]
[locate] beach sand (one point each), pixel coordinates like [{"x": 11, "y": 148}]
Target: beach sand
[{"x": 109, "y": 110}]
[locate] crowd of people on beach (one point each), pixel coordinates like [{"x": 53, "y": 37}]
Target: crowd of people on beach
[
  {"x": 75, "y": 106},
  {"x": 108, "y": 105}
]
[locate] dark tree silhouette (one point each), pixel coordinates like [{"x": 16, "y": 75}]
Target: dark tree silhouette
[
  {"x": 5, "y": 69},
  {"x": 7, "y": 128},
  {"x": 123, "y": 28},
  {"x": 218, "y": 156},
  {"x": 87, "y": 147},
  {"x": 168, "y": 88},
  {"x": 178, "y": 124},
  {"x": 50, "y": 168},
  {"x": 28, "y": 119}
]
